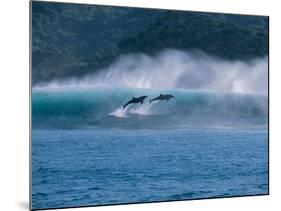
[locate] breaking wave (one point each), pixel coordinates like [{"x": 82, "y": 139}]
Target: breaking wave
[{"x": 102, "y": 107}]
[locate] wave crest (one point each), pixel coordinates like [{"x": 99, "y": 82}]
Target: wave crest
[
  {"x": 177, "y": 69},
  {"x": 103, "y": 108}
]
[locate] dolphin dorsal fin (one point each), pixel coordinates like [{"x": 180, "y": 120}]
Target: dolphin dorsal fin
[{"x": 161, "y": 95}]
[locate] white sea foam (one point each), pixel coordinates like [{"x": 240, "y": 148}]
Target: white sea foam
[
  {"x": 144, "y": 109},
  {"x": 120, "y": 112}
]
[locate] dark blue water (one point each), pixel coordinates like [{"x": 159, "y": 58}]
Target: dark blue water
[{"x": 98, "y": 166}]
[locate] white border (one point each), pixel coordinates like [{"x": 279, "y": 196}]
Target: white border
[{"x": 15, "y": 103}]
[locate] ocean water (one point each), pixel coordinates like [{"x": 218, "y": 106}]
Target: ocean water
[
  {"x": 103, "y": 107},
  {"x": 96, "y": 167},
  {"x": 86, "y": 150}
]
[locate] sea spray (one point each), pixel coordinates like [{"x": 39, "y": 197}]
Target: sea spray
[
  {"x": 120, "y": 112},
  {"x": 172, "y": 69},
  {"x": 145, "y": 109}
]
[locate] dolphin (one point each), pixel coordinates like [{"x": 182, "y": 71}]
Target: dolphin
[
  {"x": 135, "y": 100},
  {"x": 162, "y": 97}
]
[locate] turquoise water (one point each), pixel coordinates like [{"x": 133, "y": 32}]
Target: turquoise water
[
  {"x": 88, "y": 151},
  {"x": 102, "y": 107}
]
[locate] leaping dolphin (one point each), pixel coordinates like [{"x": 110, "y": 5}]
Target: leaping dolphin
[
  {"x": 162, "y": 97},
  {"x": 135, "y": 100}
]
